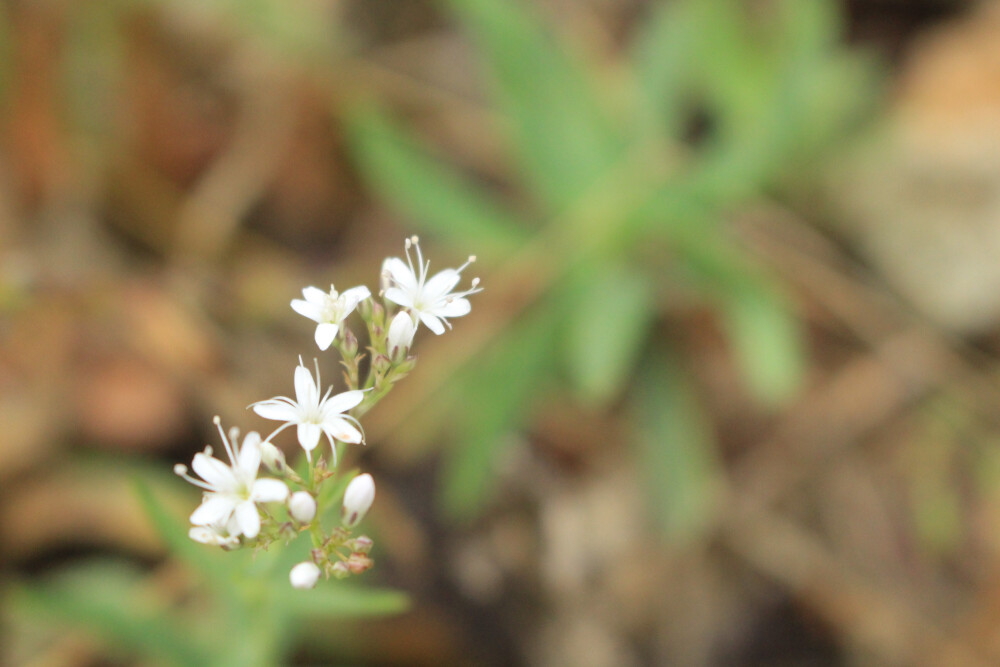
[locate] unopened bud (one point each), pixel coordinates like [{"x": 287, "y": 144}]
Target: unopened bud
[
  {"x": 358, "y": 499},
  {"x": 273, "y": 458},
  {"x": 340, "y": 570},
  {"x": 302, "y": 507},
  {"x": 362, "y": 544},
  {"x": 401, "y": 331},
  {"x": 304, "y": 575},
  {"x": 381, "y": 363},
  {"x": 358, "y": 563},
  {"x": 378, "y": 315},
  {"x": 350, "y": 344}
]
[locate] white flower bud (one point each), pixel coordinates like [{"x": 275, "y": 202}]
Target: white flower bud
[
  {"x": 302, "y": 507},
  {"x": 304, "y": 575},
  {"x": 358, "y": 499},
  {"x": 272, "y": 457},
  {"x": 401, "y": 331}
]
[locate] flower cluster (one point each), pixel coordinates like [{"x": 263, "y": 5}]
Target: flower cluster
[{"x": 241, "y": 509}]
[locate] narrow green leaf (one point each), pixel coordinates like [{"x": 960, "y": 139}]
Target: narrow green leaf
[
  {"x": 564, "y": 139},
  {"x": 605, "y": 328},
  {"x": 676, "y": 451},
  {"x": 499, "y": 389},
  {"x": 336, "y": 599},
  {"x": 767, "y": 341},
  {"x": 439, "y": 198},
  {"x": 104, "y": 598}
]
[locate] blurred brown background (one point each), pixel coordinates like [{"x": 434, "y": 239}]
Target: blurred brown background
[{"x": 173, "y": 173}]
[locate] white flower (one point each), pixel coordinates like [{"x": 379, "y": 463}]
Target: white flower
[
  {"x": 358, "y": 499},
  {"x": 216, "y": 535},
  {"x": 430, "y": 300},
  {"x": 313, "y": 414},
  {"x": 304, "y": 575},
  {"x": 232, "y": 491},
  {"x": 401, "y": 331},
  {"x": 302, "y": 507},
  {"x": 328, "y": 310}
]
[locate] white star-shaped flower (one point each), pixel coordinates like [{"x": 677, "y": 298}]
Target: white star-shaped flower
[
  {"x": 329, "y": 310},
  {"x": 431, "y": 300},
  {"x": 312, "y": 414},
  {"x": 232, "y": 491}
]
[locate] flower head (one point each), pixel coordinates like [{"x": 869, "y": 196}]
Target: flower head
[
  {"x": 231, "y": 491},
  {"x": 328, "y": 310},
  {"x": 313, "y": 414},
  {"x": 431, "y": 300}
]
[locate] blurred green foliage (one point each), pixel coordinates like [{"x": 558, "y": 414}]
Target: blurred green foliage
[{"x": 632, "y": 169}]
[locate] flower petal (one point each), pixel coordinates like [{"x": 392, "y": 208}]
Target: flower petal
[
  {"x": 341, "y": 430},
  {"x": 218, "y": 475},
  {"x": 306, "y": 394},
  {"x": 314, "y": 295},
  {"x": 442, "y": 283},
  {"x": 306, "y": 309},
  {"x": 248, "y": 519},
  {"x": 281, "y": 408},
  {"x": 215, "y": 509},
  {"x": 431, "y": 322},
  {"x": 325, "y": 333},
  {"x": 352, "y": 297},
  {"x": 249, "y": 457},
  {"x": 400, "y": 296},
  {"x": 308, "y": 436},
  {"x": 268, "y": 491},
  {"x": 454, "y": 308},
  {"x": 342, "y": 402},
  {"x": 401, "y": 274}
]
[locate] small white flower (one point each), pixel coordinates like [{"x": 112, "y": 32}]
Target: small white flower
[
  {"x": 302, "y": 507},
  {"x": 216, "y": 535},
  {"x": 358, "y": 499},
  {"x": 304, "y": 575},
  {"x": 401, "y": 331},
  {"x": 329, "y": 310},
  {"x": 430, "y": 300},
  {"x": 232, "y": 491},
  {"x": 313, "y": 414}
]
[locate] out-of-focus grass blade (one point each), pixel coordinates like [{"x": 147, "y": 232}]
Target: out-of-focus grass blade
[
  {"x": 767, "y": 340},
  {"x": 105, "y": 598},
  {"x": 336, "y": 599},
  {"x": 499, "y": 387},
  {"x": 676, "y": 451},
  {"x": 442, "y": 200},
  {"x": 662, "y": 62},
  {"x": 606, "y": 325},
  {"x": 564, "y": 139},
  {"x": 211, "y": 564}
]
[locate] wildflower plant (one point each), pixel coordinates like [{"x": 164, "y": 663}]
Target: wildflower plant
[{"x": 240, "y": 508}]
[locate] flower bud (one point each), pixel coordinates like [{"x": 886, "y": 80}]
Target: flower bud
[
  {"x": 304, "y": 575},
  {"x": 358, "y": 499},
  {"x": 350, "y": 344},
  {"x": 401, "y": 331},
  {"x": 272, "y": 457},
  {"x": 381, "y": 364},
  {"x": 302, "y": 507},
  {"x": 362, "y": 544},
  {"x": 358, "y": 563},
  {"x": 340, "y": 570}
]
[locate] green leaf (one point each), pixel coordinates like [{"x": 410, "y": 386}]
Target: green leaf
[
  {"x": 500, "y": 387},
  {"x": 676, "y": 452},
  {"x": 214, "y": 565},
  {"x": 336, "y": 599},
  {"x": 440, "y": 199},
  {"x": 767, "y": 340},
  {"x": 107, "y": 599},
  {"x": 565, "y": 141},
  {"x": 606, "y": 326}
]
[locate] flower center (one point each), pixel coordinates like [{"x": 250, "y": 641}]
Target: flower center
[{"x": 332, "y": 306}]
